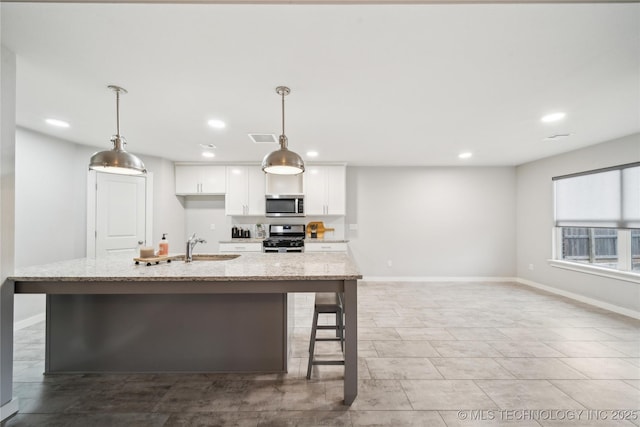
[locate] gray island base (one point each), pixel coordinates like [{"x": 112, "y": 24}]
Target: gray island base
[
  {"x": 109, "y": 315},
  {"x": 166, "y": 333}
]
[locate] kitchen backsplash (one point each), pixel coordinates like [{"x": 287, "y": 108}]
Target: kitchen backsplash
[{"x": 336, "y": 223}]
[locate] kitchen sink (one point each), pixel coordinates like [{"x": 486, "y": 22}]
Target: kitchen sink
[{"x": 209, "y": 257}]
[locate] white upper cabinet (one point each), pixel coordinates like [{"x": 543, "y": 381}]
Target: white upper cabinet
[
  {"x": 325, "y": 190},
  {"x": 192, "y": 179},
  {"x": 245, "y": 191}
]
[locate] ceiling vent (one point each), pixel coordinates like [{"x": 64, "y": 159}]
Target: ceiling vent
[{"x": 263, "y": 138}]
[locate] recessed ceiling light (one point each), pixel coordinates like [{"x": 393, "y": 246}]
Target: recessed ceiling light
[
  {"x": 217, "y": 124},
  {"x": 207, "y": 146},
  {"x": 312, "y": 153},
  {"x": 465, "y": 155},
  {"x": 58, "y": 123},
  {"x": 208, "y": 154},
  {"x": 553, "y": 117}
]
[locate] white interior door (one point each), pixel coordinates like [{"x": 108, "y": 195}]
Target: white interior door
[{"x": 120, "y": 213}]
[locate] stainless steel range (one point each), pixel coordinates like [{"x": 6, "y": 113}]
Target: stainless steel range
[{"x": 284, "y": 238}]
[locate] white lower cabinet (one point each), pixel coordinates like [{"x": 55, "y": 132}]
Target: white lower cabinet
[
  {"x": 324, "y": 246},
  {"x": 240, "y": 247}
]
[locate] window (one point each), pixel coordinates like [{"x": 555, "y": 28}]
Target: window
[
  {"x": 597, "y": 246},
  {"x": 635, "y": 250},
  {"x": 597, "y": 218}
]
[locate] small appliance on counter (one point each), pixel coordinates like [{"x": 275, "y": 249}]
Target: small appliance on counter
[
  {"x": 316, "y": 230},
  {"x": 284, "y": 238},
  {"x": 239, "y": 233}
]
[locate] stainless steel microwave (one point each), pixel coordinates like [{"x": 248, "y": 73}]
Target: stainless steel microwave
[{"x": 279, "y": 205}]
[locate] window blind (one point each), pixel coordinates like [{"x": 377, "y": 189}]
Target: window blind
[{"x": 607, "y": 198}]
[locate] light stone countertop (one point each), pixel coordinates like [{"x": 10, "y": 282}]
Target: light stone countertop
[{"x": 248, "y": 266}]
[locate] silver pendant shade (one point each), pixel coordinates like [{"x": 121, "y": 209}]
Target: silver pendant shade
[
  {"x": 117, "y": 160},
  {"x": 283, "y": 161}
]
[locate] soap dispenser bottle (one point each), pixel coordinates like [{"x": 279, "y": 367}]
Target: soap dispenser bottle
[{"x": 163, "y": 248}]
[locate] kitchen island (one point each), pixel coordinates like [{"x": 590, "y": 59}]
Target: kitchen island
[{"x": 230, "y": 315}]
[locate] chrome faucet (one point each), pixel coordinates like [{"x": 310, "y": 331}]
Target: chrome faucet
[{"x": 190, "y": 244}]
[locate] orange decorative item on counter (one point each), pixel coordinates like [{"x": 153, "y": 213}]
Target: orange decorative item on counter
[{"x": 316, "y": 230}]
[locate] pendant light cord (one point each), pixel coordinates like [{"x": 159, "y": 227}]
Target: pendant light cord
[
  {"x": 283, "y": 113},
  {"x": 118, "y": 113}
]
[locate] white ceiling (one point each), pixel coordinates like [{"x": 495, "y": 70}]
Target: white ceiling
[{"x": 371, "y": 84}]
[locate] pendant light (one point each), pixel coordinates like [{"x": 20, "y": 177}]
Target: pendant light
[
  {"x": 283, "y": 161},
  {"x": 117, "y": 160}
]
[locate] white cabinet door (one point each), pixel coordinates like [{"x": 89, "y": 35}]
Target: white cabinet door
[
  {"x": 325, "y": 247},
  {"x": 325, "y": 190},
  {"x": 194, "y": 179},
  {"x": 237, "y": 186},
  {"x": 336, "y": 190},
  {"x": 245, "y": 191},
  {"x": 240, "y": 247},
  {"x": 314, "y": 190},
  {"x": 256, "y": 191},
  {"x": 212, "y": 179},
  {"x": 187, "y": 180}
]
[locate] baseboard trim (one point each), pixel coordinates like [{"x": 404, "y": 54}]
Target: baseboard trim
[
  {"x": 29, "y": 321},
  {"x": 601, "y": 304},
  {"x": 437, "y": 279},
  {"x": 8, "y": 409}
]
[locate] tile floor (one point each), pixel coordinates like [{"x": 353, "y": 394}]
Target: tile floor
[{"x": 431, "y": 354}]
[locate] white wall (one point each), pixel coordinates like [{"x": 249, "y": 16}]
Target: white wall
[
  {"x": 200, "y": 213},
  {"x": 168, "y": 213},
  {"x": 8, "y": 405},
  {"x": 535, "y": 221},
  {"x": 50, "y": 207},
  {"x": 50, "y": 199},
  {"x": 51, "y": 204},
  {"x": 432, "y": 221}
]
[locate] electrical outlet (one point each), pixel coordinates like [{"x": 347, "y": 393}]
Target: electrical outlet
[
  {"x": 353, "y": 227},
  {"x": 212, "y": 227},
  {"x": 531, "y": 267},
  {"x": 389, "y": 263}
]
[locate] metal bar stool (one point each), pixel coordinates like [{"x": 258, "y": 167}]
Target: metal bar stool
[{"x": 331, "y": 303}]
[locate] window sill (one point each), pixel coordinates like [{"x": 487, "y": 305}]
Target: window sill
[{"x": 627, "y": 276}]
